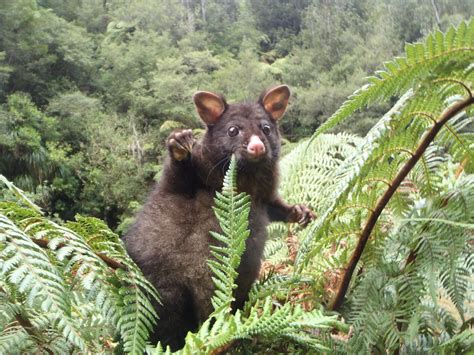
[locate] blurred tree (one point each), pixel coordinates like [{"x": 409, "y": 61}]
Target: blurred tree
[
  {"x": 280, "y": 20},
  {"x": 245, "y": 77},
  {"x": 47, "y": 54},
  {"x": 25, "y": 133}
]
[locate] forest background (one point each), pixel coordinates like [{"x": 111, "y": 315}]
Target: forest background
[{"x": 89, "y": 90}]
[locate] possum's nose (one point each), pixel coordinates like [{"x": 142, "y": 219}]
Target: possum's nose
[{"x": 255, "y": 147}]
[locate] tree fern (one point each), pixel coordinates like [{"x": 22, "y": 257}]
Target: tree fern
[
  {"x": 388, "y": 150},
  {"x": 401, "y": 162}
]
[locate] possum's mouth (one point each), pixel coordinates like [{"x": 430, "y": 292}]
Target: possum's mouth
[{"x": 244, "y": 157}]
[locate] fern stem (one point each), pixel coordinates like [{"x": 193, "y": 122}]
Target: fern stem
[
  {"x": 224, "y": 349},
  {"x": 456, "y": 81},
  {"x": 31, "y": 330},
  {"x": 383, "y": 201},
  {"x": 423, "y": 114},
  {"x": 114, "y": 264},
  {"x": 26, "y": 324}
]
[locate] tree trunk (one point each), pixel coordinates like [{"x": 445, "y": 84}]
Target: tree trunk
[
  {"x": 203, "y": 10},
  {"x": 435, "y": 8}
]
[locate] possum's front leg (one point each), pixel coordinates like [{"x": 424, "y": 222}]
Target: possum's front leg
[
  {"x": 179, "y": 172},
  {"x": 280, "y": 211}
]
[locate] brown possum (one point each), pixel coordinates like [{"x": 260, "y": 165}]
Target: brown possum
[{"x": 170, "y": 238}]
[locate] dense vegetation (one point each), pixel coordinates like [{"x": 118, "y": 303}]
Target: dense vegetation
[
  {"x": 90, "y": 89},
  {"x": 386, "y": 267}
]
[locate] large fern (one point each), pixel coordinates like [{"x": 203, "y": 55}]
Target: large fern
[
  {"x": 434, "y": 91},
  {"x": 52, "y": 272},
  {"x": 402, "y": 160},
  {"x": 354, "y": 257}
]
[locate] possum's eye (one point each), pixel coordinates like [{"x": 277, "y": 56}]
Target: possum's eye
[
  {"x": 266, "y": 129},
  {"x": 233, "y": 131}
]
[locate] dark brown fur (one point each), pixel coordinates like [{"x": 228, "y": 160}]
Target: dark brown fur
[{"x": 170, "y": 239}]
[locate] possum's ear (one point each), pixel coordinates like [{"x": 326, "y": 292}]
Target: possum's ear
[
  {"x": 210, "y": 107},
  {"x": 275, "y": 101}
]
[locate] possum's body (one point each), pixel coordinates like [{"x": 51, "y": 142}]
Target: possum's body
[{"x": 170, "y": 239}]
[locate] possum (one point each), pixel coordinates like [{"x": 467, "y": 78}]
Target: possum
[{"x": 170, "y": 239}]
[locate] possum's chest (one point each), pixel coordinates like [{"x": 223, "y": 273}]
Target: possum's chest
[{"x": 171, "y": 236}]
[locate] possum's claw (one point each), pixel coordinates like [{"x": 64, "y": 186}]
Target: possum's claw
[
  {"x": 180, "y": 144},
  {"x": 302, "y": 215}
]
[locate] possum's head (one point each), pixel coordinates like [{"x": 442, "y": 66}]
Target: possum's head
[{"x": 248, "y": 130}]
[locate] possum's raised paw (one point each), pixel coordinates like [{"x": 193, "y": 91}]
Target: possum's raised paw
[{"x": 180, "y": 144}]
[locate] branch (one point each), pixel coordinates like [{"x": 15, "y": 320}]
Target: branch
[
  {"x": 435, "y": 8},
  {"x": 114, "y": 264},
  {"x": 383, "y": 201}
]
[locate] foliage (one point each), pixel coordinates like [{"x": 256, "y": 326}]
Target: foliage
[
  {"x": 385, "y": 150},
  {"x": 105, "y": 76},
  {"x": 398, "y": 283},
  {"x": 67, "y": 287},
  {"x": 432, "y": 287}
]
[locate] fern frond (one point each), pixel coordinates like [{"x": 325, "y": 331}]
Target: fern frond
[
  {"x": 311, "y": 170},
  {"x": 232, "y": 211},
  {"x": 265, "y": 321},
  {"x": 421, "y": 61},
  {"x": 27, "y": 266},
  {"x": 352, "y": 168},
  {"x": 439, "y": 269},
  {"x": 88, "y": 260}
]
